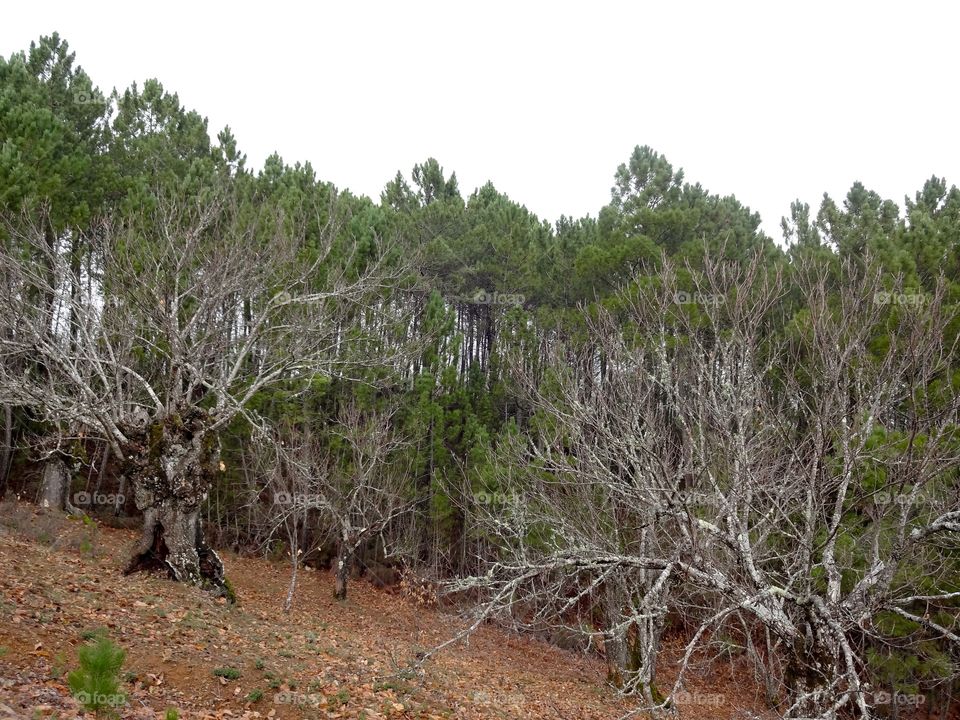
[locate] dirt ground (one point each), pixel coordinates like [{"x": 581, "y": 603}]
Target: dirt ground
[{"x": 325, "y": 659}]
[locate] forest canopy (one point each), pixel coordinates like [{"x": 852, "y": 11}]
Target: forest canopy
[{"x": 653, "y": 418}]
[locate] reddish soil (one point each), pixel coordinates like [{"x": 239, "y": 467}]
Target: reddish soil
[{"x": 325, "y": 659}]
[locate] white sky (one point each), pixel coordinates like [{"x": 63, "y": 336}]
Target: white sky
[{"x": 770, "y": 101}]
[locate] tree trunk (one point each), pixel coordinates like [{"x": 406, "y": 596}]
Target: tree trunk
[
  {"x": 631, "y": 648},
  {"x": 615, "y": 641},
  {"x": 56, "y": 483},
  {"x": 172, "y": 538},
  {"x": 55, "y": 489},
  {"x": 615, "y": 651},
  {"x": 172, "y": 465},
  {"x": 809, "y": 671},
  {"x": 5, "y": 456},
  {"x": 344, "y": 563},
  {"x": 295, "y": 559},
  {"x": 104, "y": 459}
]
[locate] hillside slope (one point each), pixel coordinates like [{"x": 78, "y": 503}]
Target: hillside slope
[{"x": 61, "y": 578}]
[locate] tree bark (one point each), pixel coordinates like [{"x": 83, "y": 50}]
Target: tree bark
[
  {"x": 615, "y": 647},
  {"x": 631, "y": 648},
  {"x": 55, "y": 489},
  {"x": 56, "y": 483},
  {"x": 172, "y": 537},
  {"x": 5, "y": 456},
  {"x": 809, "y": 671},
  {"x": 172, "y": 465},
  {"x": 293, "y": 581},
  {"x": 344, "y": 563}
]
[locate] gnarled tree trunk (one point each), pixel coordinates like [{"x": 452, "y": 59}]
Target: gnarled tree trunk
[
  {"x": 172, "y": 464},
  {"x": 811, "y": 667},
  {"x": 55, "y": 489},
  {"x": 632, "y": 642}
]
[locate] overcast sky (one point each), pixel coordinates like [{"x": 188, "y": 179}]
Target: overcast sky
[{"x": 770, "y": 101}]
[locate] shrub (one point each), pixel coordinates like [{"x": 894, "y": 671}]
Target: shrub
[
  {"x": 229, "y": 673},
  {"x": 96, "y": 683},
  {"x": 94, "y": 634}
]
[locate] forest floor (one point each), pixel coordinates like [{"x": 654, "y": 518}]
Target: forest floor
[{"x": 61, "y": 578}]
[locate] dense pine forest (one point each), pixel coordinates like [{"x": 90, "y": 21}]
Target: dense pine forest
[{"x": 652, "y": 420}]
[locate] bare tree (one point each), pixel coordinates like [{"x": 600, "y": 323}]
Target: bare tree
[
  {"x": 288, "y": 478},
  {"x": 193, "y": 308},
  {"x": 353, "y": 481},
  {"x": 707, "y": 453}
]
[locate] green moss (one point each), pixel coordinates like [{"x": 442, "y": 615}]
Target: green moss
[
  {"x": 210, "y": 444},
  {"x": 228, "y": 591},
  {"x": 78, "y": 450},
  {"x": 156, "y": 440}
]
